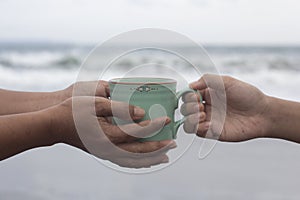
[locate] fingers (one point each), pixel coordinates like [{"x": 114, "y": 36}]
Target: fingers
[
  {"x": 191, "y": 97},
  {"x": 103, "y": 89},
  {"x": 148, "y": 147},
  {"x": 203, "y": 128},
  {"x": 206, "y": 94},
  {"x": 142, "y": 155},
  {"x": 191, "y": 108},
  {"x": 145, "y": 162},
  {"x": 200, "y": 84},
  {"x": 191, "y": 123},
  {"x": 200, "y": 128},
  {"x": 208, "y": 80},
  {"x": 105, "y": 108},
  {"x": 131, "y": 132},
  {"x": 197, "y": 122},
  {"x": 212, "y": 88}
]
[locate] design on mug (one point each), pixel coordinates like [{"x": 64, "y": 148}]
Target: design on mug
[{"x": 144, "y": 88}]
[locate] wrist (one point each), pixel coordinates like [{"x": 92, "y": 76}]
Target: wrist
[
  {"x": 275, "y": 115},
  {"x": 47, "y": 128},
  {"x": 62, "y": 95},
  {"x": 60, "y": 122}
]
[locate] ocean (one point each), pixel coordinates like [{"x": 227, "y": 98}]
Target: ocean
[{"x": 263, "y": 169}]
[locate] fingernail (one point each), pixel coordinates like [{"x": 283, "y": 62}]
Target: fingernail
[
  {"x": 168, "y": 120},
  {"x": 163, "y": 119},
  {"x": 138, "y": 112}
]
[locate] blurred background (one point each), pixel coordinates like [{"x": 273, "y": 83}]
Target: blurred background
[{"x": 43, "y": 43}]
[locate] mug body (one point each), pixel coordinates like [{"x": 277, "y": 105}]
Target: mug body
[{"x": 157, "y": 96}]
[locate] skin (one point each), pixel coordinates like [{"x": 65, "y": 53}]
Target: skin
[
  {"x": 45, "y": 119},
  {"x": 49, "y": 120},
  {"x": 250, "y": 113},
  {"x": 22, "y": 102}
]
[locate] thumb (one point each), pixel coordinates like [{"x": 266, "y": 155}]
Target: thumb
[
  {"x": 213, "y": 81},
  {"x": 122, "y": 110}
]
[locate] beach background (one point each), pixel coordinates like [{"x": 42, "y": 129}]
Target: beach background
[
  {"x": 258, "y": 169},
  {"x": 262, "y": 169}
]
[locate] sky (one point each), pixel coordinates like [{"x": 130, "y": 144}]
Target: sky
[{"x": 206, "y": 21}]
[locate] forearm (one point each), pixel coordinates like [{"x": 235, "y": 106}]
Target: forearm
[
  {"x": 284, "y": 117},
  {"x": 22, "y": 132},
  {"x": 13, "y": 102}
]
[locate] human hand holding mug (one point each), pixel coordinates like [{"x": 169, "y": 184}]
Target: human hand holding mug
[
  {"x": 109, "y": 142},
  {"x": 157, "y": 96},
  {"x": 247, "y": 113}
]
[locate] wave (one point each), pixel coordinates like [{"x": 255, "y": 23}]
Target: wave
[
  {"x": 39, "y": 60},
  {"x": 235, "y": 58},
  {"x": 53, "y": 67},
  {"x": 254, "y": 62}
]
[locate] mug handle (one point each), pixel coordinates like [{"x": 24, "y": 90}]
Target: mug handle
[{"x": 179, "y": 94}]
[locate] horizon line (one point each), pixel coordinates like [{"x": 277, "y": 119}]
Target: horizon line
[{"x": 229, "y": 44}]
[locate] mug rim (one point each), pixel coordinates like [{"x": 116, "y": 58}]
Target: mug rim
[{"x": 159, "y": 81}]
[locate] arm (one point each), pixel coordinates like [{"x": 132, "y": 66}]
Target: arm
[
  {"x": 284, "y": 117},
  {"x": 21, "y": 132},
  {"x": 14, "y": 102},
  {"x": 249, "y": 112}
]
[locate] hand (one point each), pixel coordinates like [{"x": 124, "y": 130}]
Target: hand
[
  {"x": 246, "y": 111},
  {"x": 89, "y": 88},
  {"x": 98, "y": 136}
]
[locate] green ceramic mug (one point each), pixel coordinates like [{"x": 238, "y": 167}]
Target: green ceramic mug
[{"x": 157, "y": 96}]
